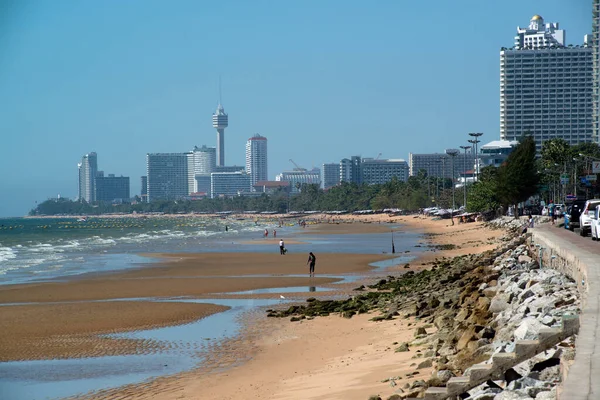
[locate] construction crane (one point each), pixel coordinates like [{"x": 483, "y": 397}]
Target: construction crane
[
  {"x": 378, "y": 155},
  {"x": 298, "y": 168}
]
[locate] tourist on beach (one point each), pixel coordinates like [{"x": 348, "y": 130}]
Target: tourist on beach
[
  {"x": 281, "y": 247},
  {"x": 311, "y": 261},
  {"x": 266, "y": 232},
  {"x": 274, "y": 233}
]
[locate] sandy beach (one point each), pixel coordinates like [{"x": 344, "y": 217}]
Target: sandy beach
[{"x": 325, "y": 358}]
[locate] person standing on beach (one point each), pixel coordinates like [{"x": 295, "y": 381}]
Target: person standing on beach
[
  {"x": 281, "y": 247},
  {"x": 274, "y": 233},
  {"x": 266, "y": 232},
  {"x": 312, "y": 260}
]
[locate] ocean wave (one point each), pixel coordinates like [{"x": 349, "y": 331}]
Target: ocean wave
[
  {"x": 7, "y": 253},
  {"x": 101, "y": 241}
]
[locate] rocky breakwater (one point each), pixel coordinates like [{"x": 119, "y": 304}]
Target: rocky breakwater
[{"x": 468, "y": 310}]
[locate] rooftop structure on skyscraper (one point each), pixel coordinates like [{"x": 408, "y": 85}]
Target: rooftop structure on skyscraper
[{"x": 539, "y": 35}]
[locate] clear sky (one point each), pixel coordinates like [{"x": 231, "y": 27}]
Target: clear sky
[{"x": 322, "y": 80}]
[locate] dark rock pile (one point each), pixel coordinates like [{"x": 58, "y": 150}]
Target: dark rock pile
[{"x": 471, "y": 307}]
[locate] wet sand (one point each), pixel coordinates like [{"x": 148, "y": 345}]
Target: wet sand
[
  {"x": 326, "y": 358},
  {"x": 57, "y": 331}
]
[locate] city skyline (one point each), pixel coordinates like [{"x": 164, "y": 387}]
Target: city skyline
[{"x": 315, "y": 105}]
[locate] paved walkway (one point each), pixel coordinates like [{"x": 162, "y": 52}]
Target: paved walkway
[{"x": 579, "y": 258}]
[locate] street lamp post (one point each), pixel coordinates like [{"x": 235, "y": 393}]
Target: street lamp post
[
  {"x": 437, "y": 183},
  {"x": 465, "y": 172},
  {"x": 476, "y": 135},
  {"x": 452, "y": 153}
]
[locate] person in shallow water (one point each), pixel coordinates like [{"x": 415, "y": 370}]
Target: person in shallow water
[{"x": 312, "y": 260}]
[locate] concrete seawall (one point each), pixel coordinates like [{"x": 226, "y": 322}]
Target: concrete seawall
[{"x": 578, "y": 258}]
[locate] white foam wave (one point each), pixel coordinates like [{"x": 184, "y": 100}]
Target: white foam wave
[{"x": 7, "y": 253}]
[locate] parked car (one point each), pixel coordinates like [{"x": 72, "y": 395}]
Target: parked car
[
  {"x": 595, "y": 217},
  {"x": 585, "y": 219},
  {"x": 572, "y": 214}
]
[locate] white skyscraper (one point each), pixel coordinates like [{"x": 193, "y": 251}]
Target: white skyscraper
[
  {"x": 596, "y": 68},
  {"x": 220, "y": 122},
  {"x": 256, "y": 158},
  {"x": 88, "y": 168},
  {"x": 205, "y": 160},
  {"x": 546, "y": 87}
]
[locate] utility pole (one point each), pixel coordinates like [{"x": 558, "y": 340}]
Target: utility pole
[
  {"x": 452, "y": 153},
  {"x": 476, "y": 135},
  {"x": 465, "y": 172}
]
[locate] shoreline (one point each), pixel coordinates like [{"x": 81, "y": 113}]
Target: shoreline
[
  {"x": 159, "y": 275},
  {"x": 340, "y": 350}
]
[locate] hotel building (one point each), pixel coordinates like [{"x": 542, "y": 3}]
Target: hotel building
[
  {"x": 229, "y": 184},
  {"x": 170, "y": 175},
  {"x": 331, "y": 175},
  {"x": 546, "y": 86},
  {"x": 256, "y": 158},
  {"x": 300, "y": 176},
  {"x": 112, "y": 188},
  {"x": 88, "y": 169},
  {"x": 375, "y": 171}
]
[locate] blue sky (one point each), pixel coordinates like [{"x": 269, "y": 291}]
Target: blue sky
[{"x": 322, "y": 80}]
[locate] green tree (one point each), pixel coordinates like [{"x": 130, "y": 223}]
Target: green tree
[
  {"x": 518, "y": 177},
  {"x": 555, "y": 152},
  {"x": 483, "y": 194}
]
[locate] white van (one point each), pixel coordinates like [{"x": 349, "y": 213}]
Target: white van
[{"x": 585, "y": 219}]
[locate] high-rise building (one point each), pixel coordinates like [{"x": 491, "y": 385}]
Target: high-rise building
[
  {"x": 546, "y": 87},
  {"x": 229, "y": 183},
  {"x": 170, "y": 175},
  {"x": 144, "y": 192},
  {"x": 300, "y": 176},
  {"x": 595, "y": 42},
  {"x": 88, "y": 169},
  {"x": 112, "y": 188},
  {"x": 330, "y": 175},
  {"x": 256, "y": 158},
  {"x": 205, "y": 160},
  {"x": 220, "y": 121},
  {"x": 350, "y": 170},
  {"x": 376, "y": 171},
  {"x": 438, "y": 164}
]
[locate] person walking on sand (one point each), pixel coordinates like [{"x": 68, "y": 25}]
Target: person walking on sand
[
  {"x": 311, "y": 261},
  {"x": 281, "y": 247}
]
